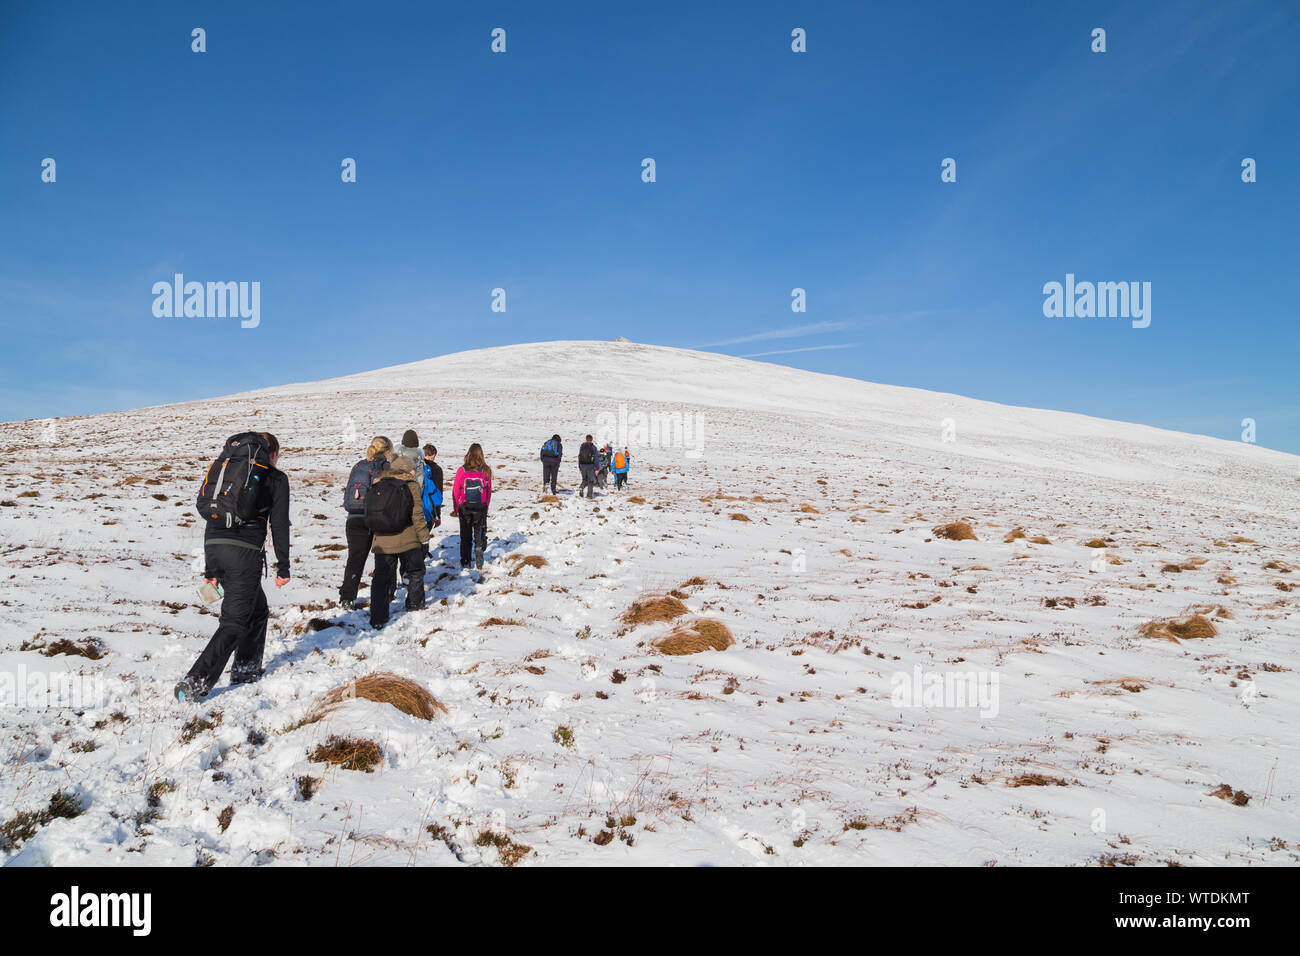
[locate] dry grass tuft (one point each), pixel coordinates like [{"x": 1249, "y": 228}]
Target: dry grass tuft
[
  {"x": 738, "y": 516},
  {"x": 383, "y": 688},
  {"x": 635, "y": 500},
  {"x": 526, "y": 561},
  {"x": 653, "y": 607},
  {"x": 809, "y": 509},
  {"x": 955, "y": 531},
  {"x": 1015, "y": 534},
  {"x": 350, "y": 753},
  {"x": 1238, "y": 798},
  {"x": 1036, "y": 780},
  {"x": 1094, "y": 543},
  {"x": 696, "y": 636},
  {"x": 500, "y": 622},
  {"x": 548, "y": 499},
  {"x": 1180, "y": 629}
]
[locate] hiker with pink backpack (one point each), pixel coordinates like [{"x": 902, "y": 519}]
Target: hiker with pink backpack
[{"x": 471, "y": 493}]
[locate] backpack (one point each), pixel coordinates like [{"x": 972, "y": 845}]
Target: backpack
[
  {"x": 587, "y": 454},
  {"x": 359, "y": 482},
  {"x": 620, "y": 461},
  {"x": 473, "y": 489},
  {"x": 551, "y": 448},
  {"x": 388, "y": 507},
  {"x": 231, "y": 489}
]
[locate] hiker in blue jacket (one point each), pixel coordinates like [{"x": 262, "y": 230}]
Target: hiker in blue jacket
[
  {"x": 552, "y": 455},
  {"x": 431, "y": 496},
  {"x": 621, "y": 463}
]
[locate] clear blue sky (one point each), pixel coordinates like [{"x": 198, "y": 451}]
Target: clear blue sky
[{"x": 775, "y": 170}]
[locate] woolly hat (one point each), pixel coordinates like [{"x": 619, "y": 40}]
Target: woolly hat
[{"x": 409, "y": 439}]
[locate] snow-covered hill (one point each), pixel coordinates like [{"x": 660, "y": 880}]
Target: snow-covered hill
[{"x": 796, "y": 509}]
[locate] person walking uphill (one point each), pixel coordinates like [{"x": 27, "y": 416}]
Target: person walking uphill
[
  {"x": 396, "y": 516},
  {"x": 358, "y": 536},
  {"x": 552, "y": 455},
  {"x": 432, "y": 488},
  {"x": 244, "y": 492},
  {"x": 587, "y": 465},
  {"x": 471, "y": 493},
  {"x": 621, "y": 463}
]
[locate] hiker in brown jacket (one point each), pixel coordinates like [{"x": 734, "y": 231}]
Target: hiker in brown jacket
[{"x": 405, "y": 547}]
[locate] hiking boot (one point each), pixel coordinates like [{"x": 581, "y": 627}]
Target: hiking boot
[
  {"x": 187, "y": 691},
  {"x": 246, "y": 675},
  {"x": 478, "y": 560},
  {"x": 347, "y": 605}
]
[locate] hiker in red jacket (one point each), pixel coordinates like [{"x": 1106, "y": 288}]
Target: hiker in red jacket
[{"x": 471, "y": 493}]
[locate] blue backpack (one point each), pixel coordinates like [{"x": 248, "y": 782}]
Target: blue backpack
[{"x": 551, "y": 449}]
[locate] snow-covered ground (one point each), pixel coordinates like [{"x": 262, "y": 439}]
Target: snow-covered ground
[{"x": 806, "y": 505}]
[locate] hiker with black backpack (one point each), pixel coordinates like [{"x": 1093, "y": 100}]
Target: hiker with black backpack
[
  {"x": 552, "y": 455},
  {"x": 396, "y": 517},
  {"x": 358, "y": 536},
  {"x": 471, "y": 493},
  {"x": 587, "y": 465},
  {"x": 243, "y": 492}
]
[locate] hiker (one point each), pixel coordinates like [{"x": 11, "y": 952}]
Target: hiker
[
  {"x": 587, "y": 465},
  {"x": 622, "y": 462},
  {"x": 243, "y": 492},
  {"x": 471, "y": 493},
  {"x": 603, "y": 458},
  {"x": 411, "y": 449},
  {"x": 396, "y": 516},
  {"x": 552, "y": 455},
  {"x": 432, "y": 489},
  {"x": 355, "y": 531}
]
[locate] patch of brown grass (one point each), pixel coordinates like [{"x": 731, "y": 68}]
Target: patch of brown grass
[
  {"x": 635, "y": 500},
  {"x": 1015, "y": 534},
  {"x": 1036, "y": 780},
  {"x": 809, "y": 509},
  {"x": 1192, "y": 627},
  {"x": 738, "y": 516},
  {"x": 508, "y": 851},
  {"x": 383, "y": 688},
  {"x": 1040, "y": 539},
  {"x": 350, "y": 753},
  {"x": 500, "y": 622},
  {"x": 1238, "y": 798},
  {"x": 955, "y": 531},
  {"x": 1094, "y": 543},
  {"x": 696, "y": 636},
  {"x": 526, "y": 561},
  {"x": 548, "y": 499},
  {"x": 653, "y": 607}
]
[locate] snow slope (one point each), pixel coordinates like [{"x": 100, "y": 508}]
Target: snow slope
[{"x": 808, "y": 515}]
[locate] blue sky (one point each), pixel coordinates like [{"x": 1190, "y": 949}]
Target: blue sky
[{"x": 775, "y": 170}]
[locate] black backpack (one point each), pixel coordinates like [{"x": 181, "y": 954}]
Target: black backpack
[
  {"x": 551, "y": 449},
  {"x": 231, "y": 490},
  {"x": 359, "y": 482},
  {"x": 388, "y": 507},
  {"x": 473, "y": 490},
  {"x": 587, "y": 454}
]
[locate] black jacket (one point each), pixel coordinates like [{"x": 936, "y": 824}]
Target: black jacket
[
  {"x": 559, "y": 452},
  {"x": 273, "y": 509},
  {"x": 595, "y": 453},
  {"x": 436, "y": 470}
]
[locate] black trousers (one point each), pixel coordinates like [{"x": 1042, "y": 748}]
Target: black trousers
[
  {"x": 588, "y": 480},
  {"x": 242, "y": 630},
  {"x": 473, "y": 530},
  {"x": 384, "y": 585},
  {"x": 620, "y": 479},
  {"x": 359, "y": 541},
  {"x": 550, "y": 474}
]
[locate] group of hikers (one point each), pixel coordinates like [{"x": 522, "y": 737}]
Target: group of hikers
[
  {"x": 595, "y": 465},
  {"x": 393, "y": 499}
]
